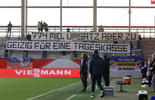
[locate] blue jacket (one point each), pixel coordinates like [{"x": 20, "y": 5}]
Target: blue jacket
[
  {"x": 131, "y": 46},
  {"x": 96, "y": 65}
]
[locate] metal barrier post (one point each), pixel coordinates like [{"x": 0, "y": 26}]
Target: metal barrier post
[
  {"x": 150, "y": 33},
  {"x": 144, "y": 33}
]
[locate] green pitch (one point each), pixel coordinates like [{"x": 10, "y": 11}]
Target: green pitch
[{"x": 16, "y": 88}]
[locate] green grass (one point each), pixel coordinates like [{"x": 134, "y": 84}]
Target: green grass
[
  {"x": 24, "y": 88},
  {"x": 70, "y": 91},
  {"x": 16, "y": 88},
  {"x": 132, "y": 90}
]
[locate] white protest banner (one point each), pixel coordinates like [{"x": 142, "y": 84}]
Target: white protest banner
[
  {"x": 67, "y": 46},
  {"x": 85, "y": 36}
]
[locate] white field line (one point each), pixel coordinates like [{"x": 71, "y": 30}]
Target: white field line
[
  {"x": 71, "y": 97},
  {"x": 52, "y": 91},
  {"x": 75, "y": 94},
  {"x": 88, "y": 86}
]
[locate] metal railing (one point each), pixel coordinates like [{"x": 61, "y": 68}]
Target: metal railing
[{"x": 144, "y": 31}]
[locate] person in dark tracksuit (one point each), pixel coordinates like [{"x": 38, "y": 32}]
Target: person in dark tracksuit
[
  {"x": 95, "y": 69},
  {"x": 9, "y": 29},
  {"x": 83, "y": 71},
  {"x": 106, "y": 72}
]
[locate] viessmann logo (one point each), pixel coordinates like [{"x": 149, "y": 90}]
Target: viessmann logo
[{"x": 43, "y": 72}]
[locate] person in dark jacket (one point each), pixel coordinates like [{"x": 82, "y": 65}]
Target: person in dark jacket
[
  {"x": 28, "y": 37},
  {"x": 106, "y": 72},
  {"x": 42, "y": 26},
  {"x": 9, "y": 29},
  {"x": 152, "y": 69},
  {"x": 83, "y": 71},
  {"x": 45, "y": 27},
  {"x": 95, "y": 69}
]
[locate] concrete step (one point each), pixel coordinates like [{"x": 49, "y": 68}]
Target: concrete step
[
  {"x": 147, "y": 47},
  {"x": 148, "y": 41},
  {"x": 148, "y": 50}
]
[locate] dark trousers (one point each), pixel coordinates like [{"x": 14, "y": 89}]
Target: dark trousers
[
  {"x": 41, "y": 29},
  {"x": 9, "y": 33},
  {"x": 44, "y": 54},
  {"x": 96, "y": 77},
  {"x": 143, "y": 73},
  {"x": 150, "y": 78},
  {"x": 46, "y": 30},
  {"x": 106, "y": 80},
  {"x": 6, "y": 54},
  {"x": 84, "y": 80},
  {"x": 138, "y": 44},
  {"x": 25, "y": 53}
]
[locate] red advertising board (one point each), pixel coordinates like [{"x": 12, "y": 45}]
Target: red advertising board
[
  {"x": 39, "y": 72},
  {"x": 152, "y": 1}
]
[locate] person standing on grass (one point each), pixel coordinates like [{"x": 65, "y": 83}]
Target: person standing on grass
[
  {"x": 95, "y": 69},
  {"x": 152, "y": 69},
  {"x": 144, "y": 69},
  {"x": 83, "y": 71},
  {"x": 106, "y": 73}
]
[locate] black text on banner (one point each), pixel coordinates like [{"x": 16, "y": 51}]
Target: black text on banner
[
  {"x": 85, "y": 36},
  {"x": 68, "y": 46}
]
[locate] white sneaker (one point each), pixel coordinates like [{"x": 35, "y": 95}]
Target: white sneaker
[
  {"x": 102, "y": 94},
  {"x": 92, "y": 95}
]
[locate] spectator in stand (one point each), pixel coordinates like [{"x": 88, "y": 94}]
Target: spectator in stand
[
  {"x": 42, "y": 26},
  {"x": 5, "y": 52},
  {"x": 44, "y": 54},
  {"x": 45, "y": 27},
  {"x": 131, "y": 46},
  {"x": 138, "y": 42},
  {"x": 28, "y": 37},
  {"x": 39, "y": 26},
  {"x": 25, "y": 51},
  {"x": 101, "y": 29},
  {"x": 9, "y": 29}
]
